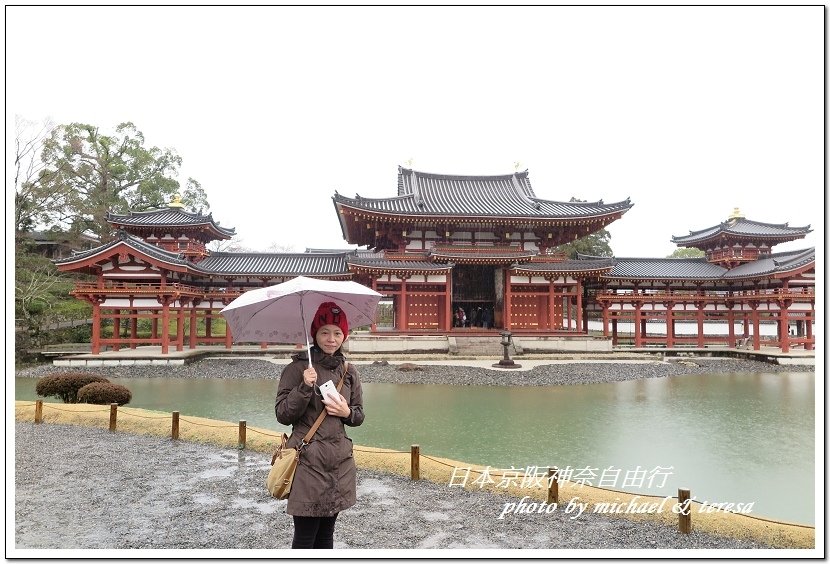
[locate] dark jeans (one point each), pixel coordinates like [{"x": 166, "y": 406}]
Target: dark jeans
[{"x": 313, "y": 532}]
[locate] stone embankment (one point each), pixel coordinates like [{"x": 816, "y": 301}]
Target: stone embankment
[{"x": 456, "y": 373}]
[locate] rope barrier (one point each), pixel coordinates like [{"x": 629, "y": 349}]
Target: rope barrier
[
  {"x": 142, "y": 416},
  {"x": 50, "y": 406},
  {"x": 206, "y": 425},
  {"x": 381, "y": 451},
  {"x": 263, "y": 433}
]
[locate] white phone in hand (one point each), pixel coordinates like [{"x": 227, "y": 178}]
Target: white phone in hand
[{"x": 328, "y": 389}]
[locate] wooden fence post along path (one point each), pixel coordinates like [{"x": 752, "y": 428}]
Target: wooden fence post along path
[
  {"x": 174, "y": 431},
  {"x": 113, "y": 415},
  {"x": 415, "y": 462},
  {"x": 684, "y": 515}
]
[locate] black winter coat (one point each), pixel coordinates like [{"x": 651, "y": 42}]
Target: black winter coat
[{"x": 324, "y": 483}]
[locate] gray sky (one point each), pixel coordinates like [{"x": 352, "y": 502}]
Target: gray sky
[{"x": 689, "y": 111}]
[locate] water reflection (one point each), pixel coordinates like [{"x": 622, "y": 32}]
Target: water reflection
[{"x": 729, "y": 437}]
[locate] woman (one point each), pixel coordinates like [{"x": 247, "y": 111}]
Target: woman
[{"x": 324, "y": 483}]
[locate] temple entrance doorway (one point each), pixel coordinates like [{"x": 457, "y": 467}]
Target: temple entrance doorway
[{"x": 474, "y": 296}]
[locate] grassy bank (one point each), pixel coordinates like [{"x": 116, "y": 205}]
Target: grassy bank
[{"x": 436, "y": 469}]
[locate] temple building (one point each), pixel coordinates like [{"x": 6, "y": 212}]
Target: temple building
[{"x": 459, "y": 254}]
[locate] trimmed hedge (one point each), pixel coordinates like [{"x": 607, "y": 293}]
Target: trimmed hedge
[
  {"x": 65, "y": 385},
  {"x": 104, "y": 393}
]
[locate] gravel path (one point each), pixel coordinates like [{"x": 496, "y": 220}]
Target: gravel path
[{"x": 87, "y": 488}]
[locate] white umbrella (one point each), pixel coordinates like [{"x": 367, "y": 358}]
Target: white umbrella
[{"x": 283, "y": 313}]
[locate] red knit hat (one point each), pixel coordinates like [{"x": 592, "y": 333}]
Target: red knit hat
[{"x": 329, "y": 313}]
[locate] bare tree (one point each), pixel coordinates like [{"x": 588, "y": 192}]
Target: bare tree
[
  {"x": 275, "y": 247},
  {"x": 33, "y": 203},
  {"x": 232, "y": 245}
]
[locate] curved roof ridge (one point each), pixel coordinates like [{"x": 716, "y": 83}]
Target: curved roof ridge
[
  {"x": 359, "y": 198},
  {"x": 133, "y": 213},
  {"x": 785, "y": 225},
  {"x": 731, "y": 225},
  {"x": 132, "y": 241},
  {"x": 437, "y": 175},
  {"x": 169, "y": 216},
  {"x": 600, "y": 202},
  {"x": 666, "y": 259},
  {"x": 279, "y": 254},
  {"x": 793, "y": 253},
  {"x": 522, "y": 193}
]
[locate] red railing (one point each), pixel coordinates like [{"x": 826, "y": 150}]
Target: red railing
[
  {"x": 800, "y": 294},
  {"x": 739, "y": 254},
  {"x": 185, "y": 247},
  {"x": 135, "y": 288}
]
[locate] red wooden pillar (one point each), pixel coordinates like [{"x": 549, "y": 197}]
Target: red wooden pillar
[
  {"x": 746, "y": 325},
  {"x": 165, "y": 325},
  {"x": 194, "y": 325},
  {"x": 180, "y": 326},
  {"x": 448, "y": 302},
  {"x": 96, "y": 325},
  {"x": 579, "y": 316},
  {"x": 508, "y": 297},
  {"x": 784, "y": 326},
  {"x": 638, "y": 337},
  {"x": 374, "y": 286},
  {"x": 730, "y": 319},
  {"x": 669, "y": 326},
  {"x": 700, "y": 334},
  {"x": 116, "y": 329},
  {"x": 133, "y": 326},
  {"x": 756, "y": 327},
  {"x": 228, "y": 336},
  {"x": 605, "y": 306},
  {"x": 614, "y": 339},
  {"x": 551, "y": 305},
  {"x": 404, "y": 320}
]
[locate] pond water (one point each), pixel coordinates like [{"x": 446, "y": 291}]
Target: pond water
[{"x": 736, "y": 438}]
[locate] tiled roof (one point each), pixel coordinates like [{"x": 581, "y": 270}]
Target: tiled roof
[
  {"x": 168, "y": 217},
  {"x": 776, "y": 262},
  {"x": 330, "y": 251},
  {"x": 510, "y": 195},
  {"x": 134, "y": 242},
  {"x": 397, "y": 264},
  {"x": 293, "y": 264},
  {"x": 567, "y": 265},
  {"x": 742, "y": 227},
  {"x": 473, "y": 252},
  {"x": 699, "y": 269},
  {"x": 665, "y": 268}
]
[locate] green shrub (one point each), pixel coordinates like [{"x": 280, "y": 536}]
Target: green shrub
[
  {"x": 65, "y": 385},
  {"x": 104, "y": 393}
]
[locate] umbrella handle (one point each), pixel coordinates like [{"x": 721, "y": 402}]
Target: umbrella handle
[
  {"x": 307, "y": 342},
  {"x": 308, "y": 347}
]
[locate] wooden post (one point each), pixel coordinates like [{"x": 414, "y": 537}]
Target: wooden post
[
  {"x": 684, "y": 517},
  {"x": 242, "y": 434},
  {"x": 415, "y": 462},
  {"x": 174, "y": 432},
  {"x": 39, "y": 411},
  {"x": 113, "y": 415},
  {"x": 553, "y": 484}
]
